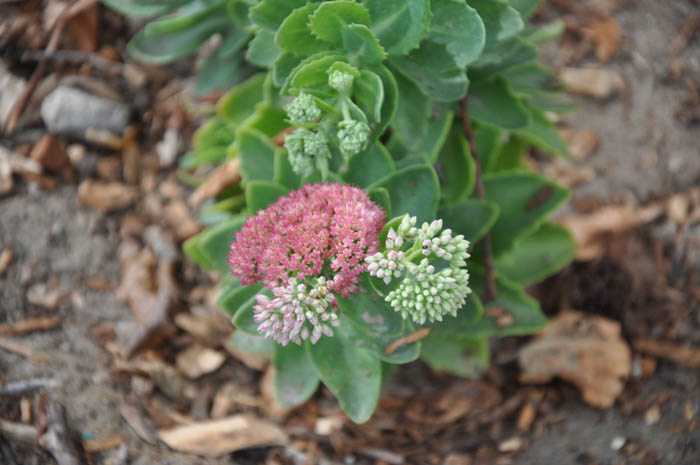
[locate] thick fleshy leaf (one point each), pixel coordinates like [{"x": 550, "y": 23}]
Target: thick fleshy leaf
[
  {"x": 411, "y": 121},
  {"x": 244, "y": 319},
  {"x": 313, "y": 72},
  {"x": 262, "y": 50},
  {"x": 509, "y": 54},
  {"x": 296, "y": 379},
  {"x": 493, "y": 102},
  {"x": 350, "y": 370},
  {"x": 501, "y": 21},
  {"x": 193, "y": 250},
  {"x": 510, "y": 156},
  {"x": 488, "y": 144},
  {"x": 380, "y": 196},
  {"x": 414, "y": 190},
  {"x": 434, "y": 71},
  {"x": 256, "y": 155},
  {"x": 361, "y": 44},
  {"x": 260, "y": 194},
  {"x": 458, "y": 26},
  {"x": 233, "y": 299},
  {"x": 239, "y": 103},
  {"x": 471, "y": 218},
  {"x": 220, "y": 72},
  {"x": 466, "y": 317},
  {"x": 511, "y": 312},
  {"x": 268, "y": 118},
  {"x": 283, "y": 67},
  {"x": 529, "y": 77},
  {"x": 390, "y": 101},
  {"x": 461, "y": 356},
  {"x": 215, "y": 241},
  {"x": 541, "y": 133},
  {"x": 525, "y": 200},
  {"x": 538, "y": 255},
  {"x": 400, "y": 25},
  {"x": 369, "y": 166},
  {"x": 271, "y": 13},
  {"x": 248, "y": 343},
  {"x": 525, "y": 7},
  {"x": 328, "y": 20},
  {"x": 455, "y": 167},
  {"x": 379, "y": 324},
  {"x": 369, "y": 93},
  {"x": 144, "y": 8},
  {"x": 294, "y": 34},
  {"x": 179, "y": 35},
  {"x": 284, "y": 174}
]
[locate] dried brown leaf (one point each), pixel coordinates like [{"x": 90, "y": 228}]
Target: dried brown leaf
[
  {"x": 50, "y": 153},
  {"x": 197, "y": 360},
  {"x": 585, "y": 350},
  {"x": 136, "y": 419},
  {"x": 606, "y": 35},
  {"x": 594, "y": 82},
  {"x": 218, "y": 180},
  {"x": 106, "y": 196},
  {"x": 215, "y": 438}
]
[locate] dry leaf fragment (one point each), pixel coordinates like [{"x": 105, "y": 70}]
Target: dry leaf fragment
[
  {"x": 215, "y": 438},
  {"x": 218, "y": 180},
  {"x": 594, "y": 82},
  {"x": 106, "y": 196},
  {"x": 141, "y": 425},
  {"x": 684, "y": 355},
  {"x": 581, "y": 143},
  {"x": 42, "y": 296},
  {"x": 180, "y": 220},
  {"x": 50, "y": 154},
  {"x": 197, "y": 360},
  {"x": 586, "y": 350},
  {"x": 6, "y": 254},
  {"x": 606, "y": 35}
]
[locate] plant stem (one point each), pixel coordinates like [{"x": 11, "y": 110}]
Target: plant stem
[{"x": 490, "y": 293}]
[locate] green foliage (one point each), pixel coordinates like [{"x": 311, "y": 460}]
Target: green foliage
[{"x": 368, "y": 93}]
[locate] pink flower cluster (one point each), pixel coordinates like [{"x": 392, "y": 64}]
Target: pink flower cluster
[{"x": 320, "y": 229}]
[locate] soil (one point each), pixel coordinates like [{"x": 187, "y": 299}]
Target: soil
[{"x": 645, "y": 152}]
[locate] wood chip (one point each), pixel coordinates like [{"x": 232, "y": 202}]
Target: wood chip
[
  {"x": 581, "y": 143},
  {"x": 586, "y": 350},
  {"x": 29, "y": 325},
  {"x": 50, "y": 153},
  {"x": 197, "y": 360},
  {"x": 606, "y": 35},
  {"x": 526, "y": 417},
  {"x": 652, "y": 415},
  {"x": 25, "y": 408},
  {"x": 178, "y": 216},
  {"x": 5, "y": 258},
  {"x": 40, "y": 295},
  {"x": 593, "y": 82},
  {"x": 221, "y": 178},
  {"x": 684, "y": 355},
  {"x": 25, "y": 352},
  {"x": 98, "y": 445},
  {"x": 510, "y": 445},
  {"x": 106, "y": 196},
  {"x": 216, "y": 438}
]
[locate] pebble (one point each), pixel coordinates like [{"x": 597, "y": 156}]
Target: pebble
[
  {"x": 71, "y": 111},
  {"x": 617, "y": 443}
]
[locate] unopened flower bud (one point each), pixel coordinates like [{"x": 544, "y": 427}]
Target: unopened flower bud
[
  {"x": 303, "y": 110},
  {"x": 340, "y": 81},
  {"x": 353, "y": 136}
]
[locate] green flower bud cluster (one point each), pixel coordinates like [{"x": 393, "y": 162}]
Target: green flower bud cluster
[
  {"x": 303, "y": 110},
  {"x": 353, "y": 136},
  {"x": 340, "y": 81},
  {"x": 307, "y": 149},
  {"x": 424, "y": 294}
]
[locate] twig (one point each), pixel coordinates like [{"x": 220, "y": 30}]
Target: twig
[
  {"x": 58, "y": 438},
  {"x": 413, "y": 337},
  {"x": 22, "y": 350},
  {"x": 24, "y": 386},
  {"x": 18, "y": 432},
  {"x": 66, "y": 15},
  {"x": 30, "y": 325},
  {"x": 481, "y": 192}
]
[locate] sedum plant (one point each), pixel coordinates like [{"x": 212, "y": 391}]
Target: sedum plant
[{"x": 385, "y": 212}]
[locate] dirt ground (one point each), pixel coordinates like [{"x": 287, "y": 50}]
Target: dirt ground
[{"x": 646, "y": 152}]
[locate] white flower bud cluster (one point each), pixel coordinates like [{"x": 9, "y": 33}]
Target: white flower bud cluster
[
  {"x": 303, "y": 110},
  {"x": 297, "y": 312},
  {"x": 427, "y": 295},
  {"x": 340, "y": 81},
  {"x": 424, "y": 294},
  {"x": 353, "y": 136}
]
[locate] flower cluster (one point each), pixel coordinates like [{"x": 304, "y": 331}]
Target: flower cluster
[
  {"x": 304, "y": 247},
  {"x": 303, "y": 110},
  {"x": 307, "y": 149},
  {"x": 425, "y": 293}
]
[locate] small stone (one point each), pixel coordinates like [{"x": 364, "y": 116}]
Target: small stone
[
  {"x": 653, "y": 415},
  {"x": 510, "y": 445},
  {"x": 106, "y": 196},
  {"x": 617, "y": 443},
  {"x": 71, "y": 111}
]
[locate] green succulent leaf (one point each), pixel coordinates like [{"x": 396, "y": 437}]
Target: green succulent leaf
[
  {"x": 380, "y": 196},
  {"x": 178, "y": 35},
  {"x": 349, "y": 369},
  {"x": 244, "y": 319},
  {"x": 488, "y": 144},
  {"x": 361, "y": 44},
  {"x": 294, "y": 34},
  {"x": 414, "y": 190},
  {"x": 328, "y": 20},
  {"x": 511, "y": 312},
  {"x": 296, "y": 379},
  {"x": 236, "y": 297},
  {"x": 144, "y": 8},
  {"x": 525, "y": 7},
  {"x": 390, "y": 100},
  {"x": 268, "y": 119},
  {"x": 369, "y": 166},
  {"x": 400, "y": 25},
  {"x": 451, "y": 326},
  {"x": 541, "y": 133},
  {"x": 510, "y": 156},
  {"x": 538, "y": 255},
  {"x": 458, "y": 26},
  {"x": 256, "y": 155},
  {"x": 411, "y": 121},
  {"x": 193, "y": 250},
  {"x": 313, "y": 73},
  {"x": 221, "y": 71},
  {"x": 471, "y": 218},
  {"x": 493, "y": 102},
  {"x": 455, "y": 167},
  {"x": 284, "y": 174},
  {"x": 260, "y": 194},
  {"x": 239, "y": 103},
  {"x": 369, "y": 93},
  {"x": 461, "y": 356},
  {"x": 214, "y": 242},
  {"x": 525, "y": 200},
  {"x": 262, "y": 50},
  {"x": 501, "y": 22},
  {"x": 250, "y": 344},
  {"x": 271, "y": 13}
]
